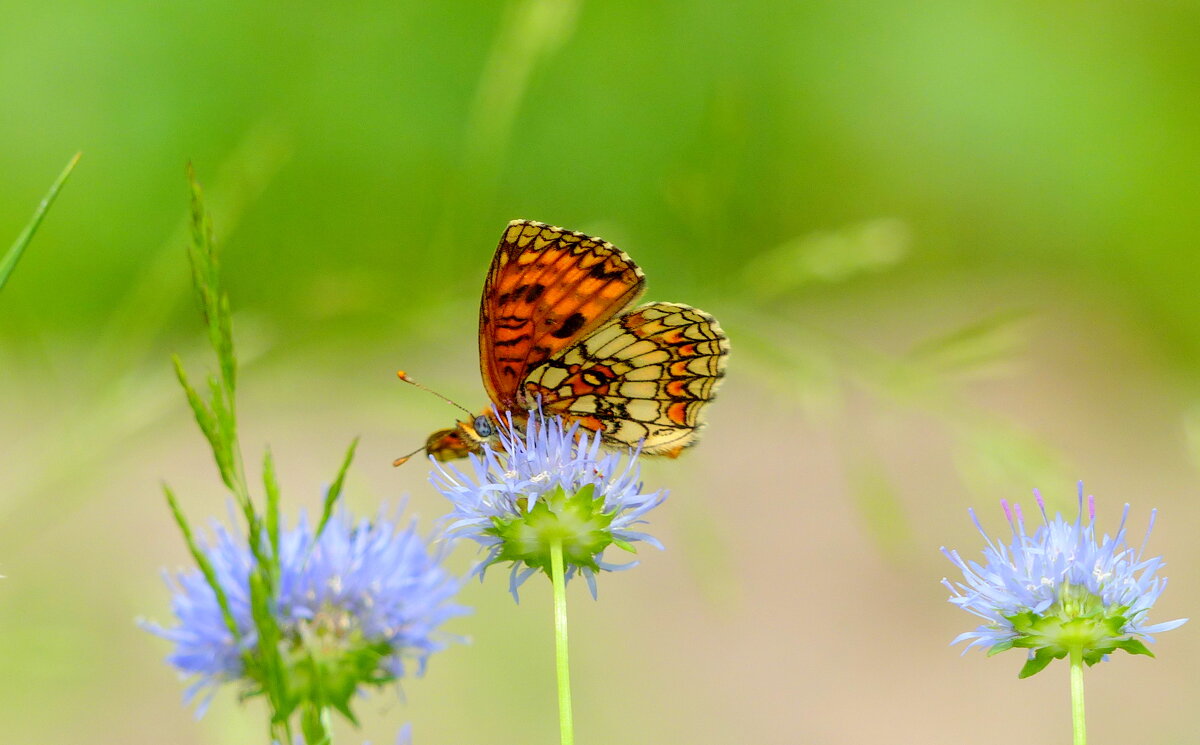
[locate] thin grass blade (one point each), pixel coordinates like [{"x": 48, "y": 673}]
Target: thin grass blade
[
  {"x": 271, "y": 483},
  {"x": 335, "y": 490},
  {"x": 206, "y": 567},
  {"x": 13, "y": 255}
]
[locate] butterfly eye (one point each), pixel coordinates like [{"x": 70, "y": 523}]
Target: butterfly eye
[{"x": 483, "y": 426}]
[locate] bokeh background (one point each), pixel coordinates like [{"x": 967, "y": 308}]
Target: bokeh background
[{"x": 954, "y": 246}]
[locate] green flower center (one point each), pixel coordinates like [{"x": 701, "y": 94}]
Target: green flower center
[
  {"x": 326, "y": 658},
  {"x": 1078, "y": 621},
  {"x": 577, "y": 521}
]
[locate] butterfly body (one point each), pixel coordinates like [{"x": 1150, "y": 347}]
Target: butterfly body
[{"x": 556, "y": 329}]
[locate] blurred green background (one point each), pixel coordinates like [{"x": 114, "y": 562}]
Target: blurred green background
[{"x": 954, "y": 246}]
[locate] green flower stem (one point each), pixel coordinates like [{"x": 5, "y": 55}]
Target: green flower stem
[
  {"x": 1077, "y": 723},
  {"x": 315, "y": 723},
  {"x": 558, "y": 579}
]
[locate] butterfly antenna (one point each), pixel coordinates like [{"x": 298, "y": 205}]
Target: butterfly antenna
[
  {"x": 402, "y": 460},
  {"x": 404, "y": 376}
]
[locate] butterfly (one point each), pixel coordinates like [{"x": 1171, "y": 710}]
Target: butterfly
[{"x": 557, "y": 329}]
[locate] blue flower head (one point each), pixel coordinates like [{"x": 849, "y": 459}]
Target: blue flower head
[
  {"x": 351, "y": 607},
  {"x": 549, "y": 483},
  {"x": 1060, "y": 589}
]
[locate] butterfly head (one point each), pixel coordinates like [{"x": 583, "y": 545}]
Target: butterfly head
[
  {"x": 463, "y": 439},
  {"x": 484, "y": 426}
]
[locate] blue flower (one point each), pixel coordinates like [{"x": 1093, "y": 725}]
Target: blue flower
[
  {"x": 1059, "y": 589},
  {"x": 350, "y": 607},
  {"x": 551, "y": 482}
]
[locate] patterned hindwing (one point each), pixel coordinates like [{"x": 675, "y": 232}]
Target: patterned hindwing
[
  {"x": 546, "y": 289},
  {"x": 646, "y": 375}
]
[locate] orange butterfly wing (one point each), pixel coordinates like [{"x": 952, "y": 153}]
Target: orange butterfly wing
[{"x": 547, "y": 288}]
